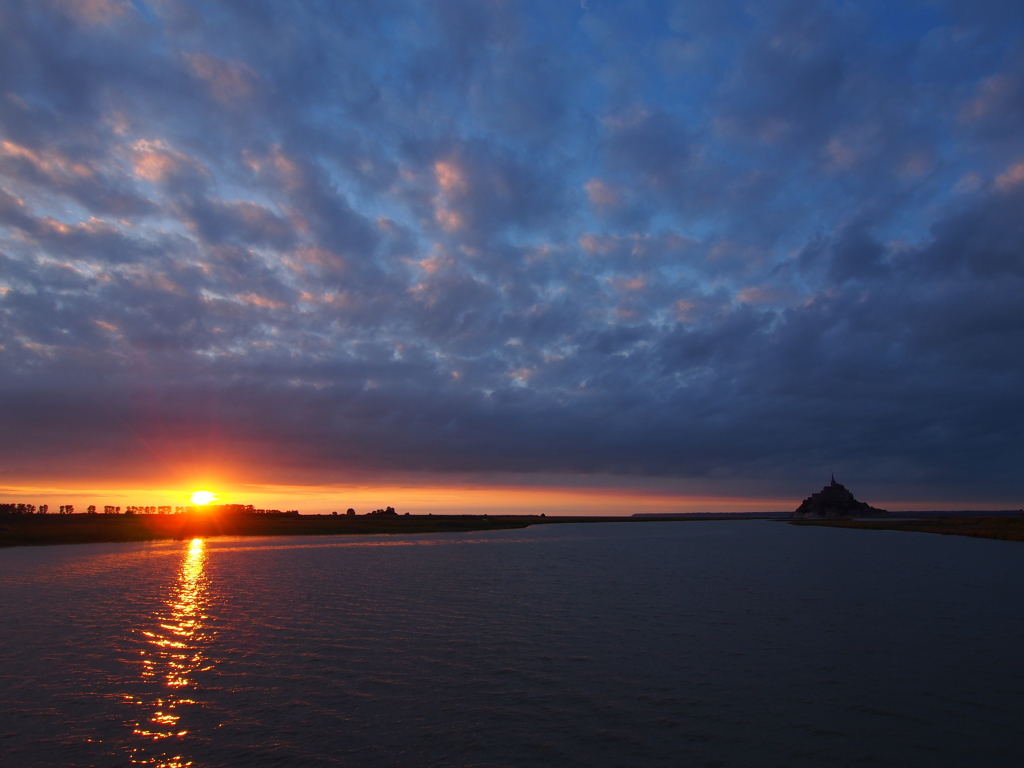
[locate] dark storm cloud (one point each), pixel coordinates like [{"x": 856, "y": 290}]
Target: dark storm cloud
[{"x": 744, "y": 244}]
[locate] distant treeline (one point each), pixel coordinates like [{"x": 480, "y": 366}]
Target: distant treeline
[
  {"x": 32, "y": 509},
  {"x": 376, "y": 513},
  {"x": 239, "y": 509},
  {"x": 219, "y": 509},
  {"x": 23, "y": 509},
  {"x": 69, "y": 509}
]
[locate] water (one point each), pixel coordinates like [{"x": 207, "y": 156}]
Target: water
[{"x": 723, "y": 643}]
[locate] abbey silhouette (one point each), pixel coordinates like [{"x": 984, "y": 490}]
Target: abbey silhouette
[{"x": 835, "y": 501}]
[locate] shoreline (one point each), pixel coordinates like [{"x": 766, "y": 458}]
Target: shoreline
[
  {"x": 43, "y": 530},
  {"x": 1008, "y": 526}
]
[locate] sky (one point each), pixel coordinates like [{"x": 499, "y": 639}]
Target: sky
[{"x": 480, "y": 254}]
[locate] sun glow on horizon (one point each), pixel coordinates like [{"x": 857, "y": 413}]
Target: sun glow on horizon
[{"x": 202, "y": 498}]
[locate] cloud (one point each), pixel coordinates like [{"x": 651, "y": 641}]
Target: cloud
[
  {"x": 228, "y": 82},
  {"x": 93, "y": 12},
  {"x": 154, "y": 161},
  {"x": 90, "y": 182},
  {"x": 1011, "y": 177},
  {"x": 217, "y": 221}
]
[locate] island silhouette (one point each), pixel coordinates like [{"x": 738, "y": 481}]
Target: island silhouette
[{"x": 835, "y": 501}]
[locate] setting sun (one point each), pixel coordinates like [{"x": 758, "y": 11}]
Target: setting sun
[{"x": 201, "y": 498}]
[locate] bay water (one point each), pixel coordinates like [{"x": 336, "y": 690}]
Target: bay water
[{"x": 698, "y": 643}]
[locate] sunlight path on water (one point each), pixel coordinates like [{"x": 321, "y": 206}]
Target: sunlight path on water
[{"x": 174, "y": 653}]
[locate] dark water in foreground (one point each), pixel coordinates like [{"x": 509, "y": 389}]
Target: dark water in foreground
[{"x": 662, "y": 644}]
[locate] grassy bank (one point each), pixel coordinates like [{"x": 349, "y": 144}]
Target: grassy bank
[
  {"x": 1004, "y": 527},
  {"x": 28, "y": 530},
  {"x": 22, "y": 530}
]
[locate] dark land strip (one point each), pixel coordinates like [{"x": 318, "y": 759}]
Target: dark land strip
[
  {"x": 1004, "y": 526},
  {"x": 29, "y": 530}
]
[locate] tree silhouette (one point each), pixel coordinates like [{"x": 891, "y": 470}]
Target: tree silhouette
[{"x": 18, "y": 509}]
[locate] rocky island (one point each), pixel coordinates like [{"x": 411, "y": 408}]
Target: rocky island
[{"x": 835, "y": 501}]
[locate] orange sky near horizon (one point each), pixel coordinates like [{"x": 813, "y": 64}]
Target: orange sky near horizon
[
  {"x": 436, "y": 499},
  {"x": 429, "y": 498}
]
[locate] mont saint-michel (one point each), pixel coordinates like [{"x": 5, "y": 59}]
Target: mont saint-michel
[{"x": 834, "y": 500}]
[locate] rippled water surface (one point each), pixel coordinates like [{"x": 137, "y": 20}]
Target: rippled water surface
[{"x": 658, "y": 644}]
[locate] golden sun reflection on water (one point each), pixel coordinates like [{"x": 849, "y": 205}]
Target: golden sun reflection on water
[{"x": 173, "y": 655}]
